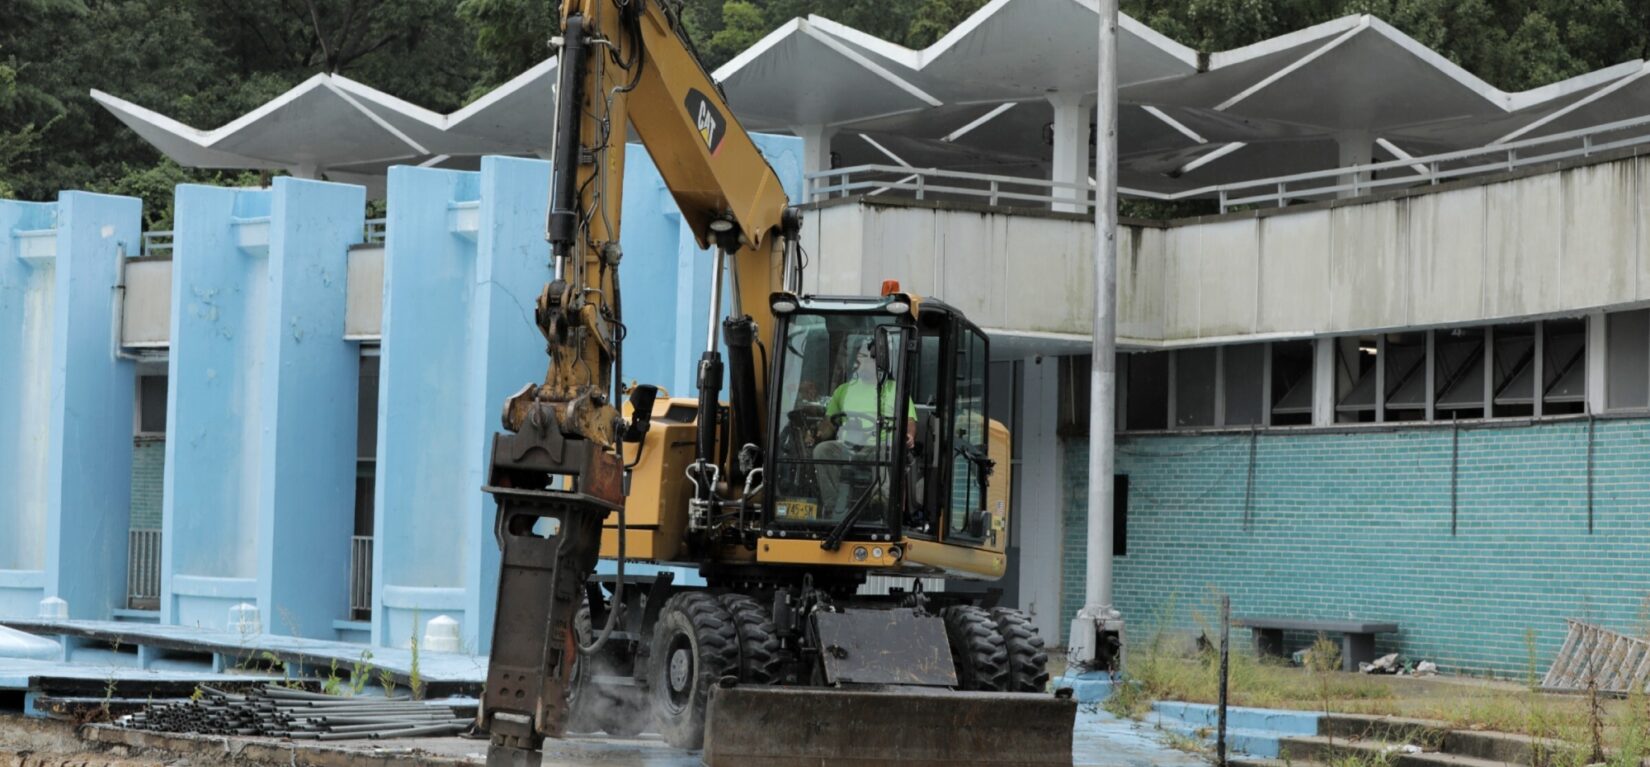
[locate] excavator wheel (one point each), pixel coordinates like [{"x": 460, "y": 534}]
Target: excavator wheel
[
  {"x": 1027, "y": 660},
  {"x": 977, "y": 648},
  {"x": 617, "y": 711},
  {"x": 695, "y": 644},
  {"x": 761, "y": 658}
]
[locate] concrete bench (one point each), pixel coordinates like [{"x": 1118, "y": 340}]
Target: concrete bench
[{"x": 1357, "y": 637}]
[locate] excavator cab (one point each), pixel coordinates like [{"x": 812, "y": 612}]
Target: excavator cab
[
  {"x": 879, "y": 428},
  {"x": 843, "y": 418}
]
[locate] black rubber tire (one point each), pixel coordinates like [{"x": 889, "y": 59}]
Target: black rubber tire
[
  {"x": 1027, "y": 658},
  {"x": 697, "y": 635},
  {"x": 976, "y": 649},
  {"x": 616, "y": 711},
  {"x": 580, "y": 692},
  {"x": 761, "y": 658}
]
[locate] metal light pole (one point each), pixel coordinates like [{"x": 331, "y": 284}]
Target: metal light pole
[{"x": 1097, "y": 631}]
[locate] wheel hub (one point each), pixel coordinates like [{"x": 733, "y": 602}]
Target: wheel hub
[{"x": 681, "y": 663}]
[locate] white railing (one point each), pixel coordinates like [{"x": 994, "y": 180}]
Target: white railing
[
  {"x": 872, "y": 180},
  {"x": 925, "y": 183},
  {"x": 143, "y": 569},
  {"x": 360, "y": 576},
  {"x": 159, "y": 242}
]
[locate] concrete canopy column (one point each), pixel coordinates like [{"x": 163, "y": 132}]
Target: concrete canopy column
[
  {"x": 816, "y": 152},
  {"x": 1071, "y": 150},
  {"x": 89, "y": 454},
  {"x": 1354, "y": 147},
  {"x": 309, "y": 380}
]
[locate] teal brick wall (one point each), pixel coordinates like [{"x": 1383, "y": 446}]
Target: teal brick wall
[
  {"x": 1359, "y": 523},
  {"x": 148, "y": 471}
]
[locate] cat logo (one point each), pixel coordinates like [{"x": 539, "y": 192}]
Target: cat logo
[{"x": 707, "y": 119}]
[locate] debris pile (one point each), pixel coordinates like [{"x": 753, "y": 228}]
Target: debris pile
[
  {"x": 1392, "y": 664},
  {"x": 280, "y": 712}
]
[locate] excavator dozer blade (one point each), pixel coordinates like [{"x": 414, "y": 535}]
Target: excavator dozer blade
[{"x": 796, "y": 726}]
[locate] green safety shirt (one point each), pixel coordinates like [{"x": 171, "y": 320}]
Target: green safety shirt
[{"x": 856, "y": 401}]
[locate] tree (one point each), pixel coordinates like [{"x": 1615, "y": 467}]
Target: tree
[{"x": 511, "y": 36}]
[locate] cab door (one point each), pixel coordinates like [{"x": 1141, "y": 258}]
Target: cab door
[{"x": 967, "y": 463}]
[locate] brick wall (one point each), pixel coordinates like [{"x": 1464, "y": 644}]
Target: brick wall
[
  {"x": 1327, "y": 524},
  {"x": 148, "y": 468}
]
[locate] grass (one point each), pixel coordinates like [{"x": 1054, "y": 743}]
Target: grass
[{"x": 1170, "y": 666}]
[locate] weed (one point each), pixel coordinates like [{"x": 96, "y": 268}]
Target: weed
[
  {"x": 1324, "y": 659},
  {"x": 415, "y": 680},
  {"x": 360, "y": 672},
  {"x": 333, "y": 685},
  {"x": 386, "y": 680}
]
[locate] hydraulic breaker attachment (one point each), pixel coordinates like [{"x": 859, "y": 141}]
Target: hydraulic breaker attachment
[
  {"x": 552, "y": 493},
  {"x": 909, "y": 727}
]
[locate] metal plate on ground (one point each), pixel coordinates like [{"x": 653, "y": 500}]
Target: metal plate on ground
[{"x": 885, "y": 647}]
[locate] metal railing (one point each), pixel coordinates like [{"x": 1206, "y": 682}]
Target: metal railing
[
  {"x": 159, "y": 242},
  {"x": 925, "y": 183},
  {"x": 360, "y": 577},
  {"x": 872, "y": 180},
  {"x": 143, "y": 569}
]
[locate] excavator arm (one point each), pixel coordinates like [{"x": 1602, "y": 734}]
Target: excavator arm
[{"x": 558, "y": 468}]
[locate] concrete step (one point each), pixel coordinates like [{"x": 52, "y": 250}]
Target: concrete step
[
  {"x": 1323, "y": 749},
  {"x": 1505, "y": 747},
  {"x": 1237, "y": 718},
  {"x": 1257, "y": 743},
  {"x": 1428, "y": 734}
]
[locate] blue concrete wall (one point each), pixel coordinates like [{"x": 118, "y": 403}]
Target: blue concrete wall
[
  {"x": 27, "y": 287},
  {"x": 442, "y": 300},
  {"x": 209, "y": 546},
  {"x": 306, "y": 457},
  {"x": 666, "y": 275},
  {"x": 89, "y": 455},
  {"x": 1359, "y": 524},
  {"x": 65, "y": 403}
]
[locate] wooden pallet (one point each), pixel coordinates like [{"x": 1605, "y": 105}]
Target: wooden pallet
[{"x": 1594, "y": 657}]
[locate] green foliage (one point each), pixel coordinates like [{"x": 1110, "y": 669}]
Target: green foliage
[
  {"x": 205, "y": 62},
  {"x": 360, "y": 672}
]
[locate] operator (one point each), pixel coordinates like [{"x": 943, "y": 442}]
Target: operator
[{"x": 854, "y": 405}]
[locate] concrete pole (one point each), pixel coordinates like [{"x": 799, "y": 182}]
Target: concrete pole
[
  {"x": 1098, "y": 627},
  {"x": 816, "y": 150},
  {"x": 1071, "y": 150},
  {"x": 1354, "y": 147}
]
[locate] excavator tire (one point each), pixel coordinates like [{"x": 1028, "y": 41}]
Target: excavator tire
[
  {"x": 761, "y": 658},
  {"x": 1027, "y": 660},
  {"x": 977, "y": 648},
  {"x": 695, "y": 644},
  {"x": 597, "y": 708}
]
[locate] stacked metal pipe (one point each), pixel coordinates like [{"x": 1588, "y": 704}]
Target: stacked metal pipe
[{"x": 280, "y": 712}]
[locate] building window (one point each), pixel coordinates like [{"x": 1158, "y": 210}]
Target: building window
[
  {"x": 1243, "y": 373},
  {"x": 1406, "y": 395},
  {"x": 1355, "y": 378},
  {"x": 1195, "y": 374},
  {"x": 151, "y": 406},
  {"x": 1564, "y": 368},
  {"x": 1513, "y": 366},
  {"x": 1291, "y": 383},
  {"x": 1627, "y": 346},
  {"x": 1458, "y": 373}
]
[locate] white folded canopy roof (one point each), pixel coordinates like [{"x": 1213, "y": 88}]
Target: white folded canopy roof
[{"x": 978, "y": 99}]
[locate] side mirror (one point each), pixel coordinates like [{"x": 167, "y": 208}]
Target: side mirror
[
  {"x": 879, "y": 350},
  {"x": 979, "y": 523},
  {"x": 642, "y": 397}
]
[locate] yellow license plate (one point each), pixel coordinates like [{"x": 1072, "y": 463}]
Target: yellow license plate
[{"x": 796, "y": 510}]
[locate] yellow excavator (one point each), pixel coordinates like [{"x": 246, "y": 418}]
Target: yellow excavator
[{"x": 853, "y": 441}]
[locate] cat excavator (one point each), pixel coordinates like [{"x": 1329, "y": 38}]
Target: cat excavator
[{"x": 853, "y": 441}]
